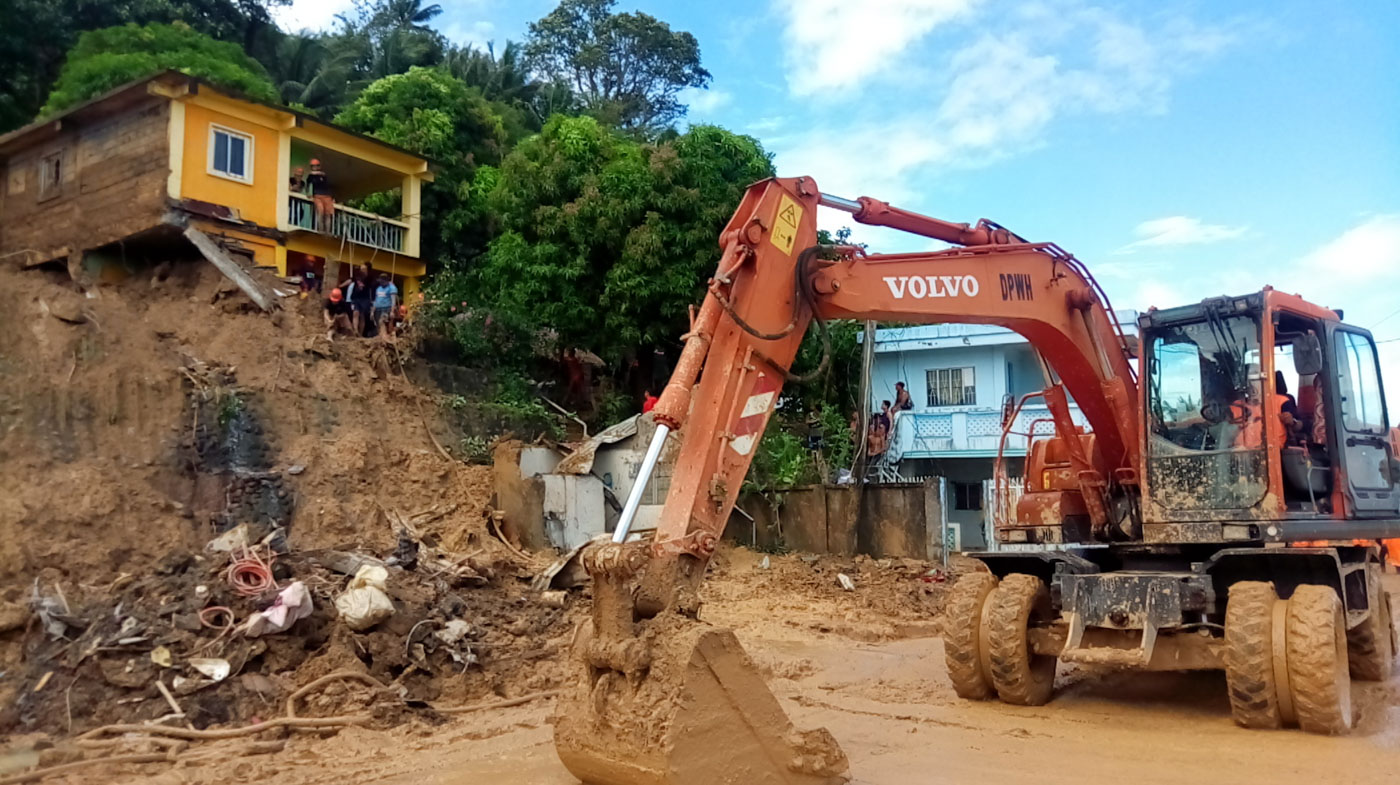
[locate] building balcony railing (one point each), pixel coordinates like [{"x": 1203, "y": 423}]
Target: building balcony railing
[
  {"x": 934, "y": 434},
  {"x": 349, "y": 224}
]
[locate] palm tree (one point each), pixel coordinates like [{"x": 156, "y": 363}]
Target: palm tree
[
  {"x": 405, "y": 14},
  {"x": 314, "y": 71}
]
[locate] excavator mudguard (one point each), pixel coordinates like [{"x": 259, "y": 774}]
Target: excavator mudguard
[{"x": 671, "y": 700}]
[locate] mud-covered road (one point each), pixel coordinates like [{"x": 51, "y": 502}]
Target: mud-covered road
[{"x": 891, "y": 707}]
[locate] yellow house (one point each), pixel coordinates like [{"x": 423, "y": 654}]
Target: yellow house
[{"x": 172, "y": 151}]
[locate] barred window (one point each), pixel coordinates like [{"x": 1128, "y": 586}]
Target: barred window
[{"x": 951, "y": 387}]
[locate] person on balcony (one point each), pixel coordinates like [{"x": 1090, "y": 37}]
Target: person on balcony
[
  {"x": 297, "y": 183},
  {"x": 902, "y": 401},
  {"x": 320, "y": 186}
]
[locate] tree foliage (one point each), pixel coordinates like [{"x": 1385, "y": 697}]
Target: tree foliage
[
  {"x": 108, "y": 58},
  {"x": 605, "y": 240},
  {"x": 433, "y": 113},
  {"x": 38, "y": 34},
  {"x": 627, "y": 69}
]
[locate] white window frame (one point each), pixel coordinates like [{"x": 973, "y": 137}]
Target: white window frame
[
  {"x": 50, "y": 181},
  {"x": 215, "y": 128},
  {"x": 966, "y": 373}
]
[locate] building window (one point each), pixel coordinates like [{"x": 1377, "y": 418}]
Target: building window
[
  {"x": 951, "y": 387},
  {"x": 230, "y": 154},
  {"x": 967, "y": 495},
  {"x": 50, "y": 175}
]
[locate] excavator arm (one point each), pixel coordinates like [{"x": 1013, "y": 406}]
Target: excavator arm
[{"x": 644, "y": 646}]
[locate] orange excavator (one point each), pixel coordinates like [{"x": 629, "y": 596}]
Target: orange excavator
[{"x": 1203, "y": 519}]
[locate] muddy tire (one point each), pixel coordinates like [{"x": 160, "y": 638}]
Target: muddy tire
[
  {"x": 1019, "y": 675},
  {"x": 1371, "y": 644},
  {"x": 1249, "y": 659},
  {"x": 1318, "y": 673},
  {"x": 962, "y": 633}
]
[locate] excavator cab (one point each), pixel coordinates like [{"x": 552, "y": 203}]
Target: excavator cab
[{"x": 1261, "y": 408}]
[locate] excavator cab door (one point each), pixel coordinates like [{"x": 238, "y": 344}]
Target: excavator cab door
[{"x": 1357, "y": 422}]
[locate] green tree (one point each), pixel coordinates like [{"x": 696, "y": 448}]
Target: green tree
[
  {"x": 39, "y": 34},
  {"x": 604, "y": 240},
  {"x": 433, "y": 113},
  {"x": 627, "y": 69},
  {"x": 310, "y": 73},
  {"x": 104, "y": 59}
]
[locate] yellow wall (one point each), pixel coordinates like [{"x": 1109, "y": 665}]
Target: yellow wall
[
  {"x": 265, "y": 250},
  {"x": 256, "y": 202},
  {"x": 332, "y": 249}
]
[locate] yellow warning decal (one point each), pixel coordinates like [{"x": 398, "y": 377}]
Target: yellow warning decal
[{"x": 784, "y": 232}]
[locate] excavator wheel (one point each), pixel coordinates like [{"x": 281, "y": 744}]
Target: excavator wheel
[
  {"x": 1020, "y": 675},
  {"x": 1318, "y": 674},
  {"x": 968, "y": 665},
  {"x": 1371, "y": 644},
  {"x": 1249, "y": 658}
]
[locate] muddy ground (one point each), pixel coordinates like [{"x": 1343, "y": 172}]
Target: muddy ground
[
  {"x": 878, "y": 683},
  {"x": 141, "y": 423}
]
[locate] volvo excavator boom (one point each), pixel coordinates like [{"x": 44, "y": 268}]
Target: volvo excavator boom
[
  {"x": 1156, "y": 514},
  {"x": 772, "y": 282}
]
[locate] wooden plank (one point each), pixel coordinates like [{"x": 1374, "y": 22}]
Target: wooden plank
[{"x": 263, "y": 297}]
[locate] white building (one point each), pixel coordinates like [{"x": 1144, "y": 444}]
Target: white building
[{"x": 960, "y": 377}]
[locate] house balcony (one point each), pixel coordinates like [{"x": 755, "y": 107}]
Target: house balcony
[
  {"x": 968, "y": 432},
  {"x": 350, "y": 225}
]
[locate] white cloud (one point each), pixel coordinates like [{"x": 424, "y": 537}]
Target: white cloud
[
  {"x": 311, "y": 15},
  {"x": 704, "y": 102},
  {"x": 476, "y": 34},
  {"x": 995, "y": 96},
  {"x": 1368, "y": 251},
  {"x": 834, "y": 44},
  {"x": 1180, "y": 230}
]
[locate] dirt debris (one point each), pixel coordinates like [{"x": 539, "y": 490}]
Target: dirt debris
[{"x": 142, "y": 423}]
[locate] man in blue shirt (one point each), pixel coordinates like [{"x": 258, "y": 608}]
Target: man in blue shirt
[{"x": 386, "y": 302}]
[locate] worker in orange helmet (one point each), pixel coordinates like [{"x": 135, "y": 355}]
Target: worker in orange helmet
[{"x": 336, "y": 313}]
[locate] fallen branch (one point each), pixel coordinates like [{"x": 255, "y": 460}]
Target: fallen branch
[
  {"x": 38, "y": 774},
  {"x": 501, "y": 704}
]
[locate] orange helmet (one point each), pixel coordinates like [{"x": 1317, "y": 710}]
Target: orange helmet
[{"x": 337, "y": 295}]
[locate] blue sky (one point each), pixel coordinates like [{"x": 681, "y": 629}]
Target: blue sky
[{"x": 1181, "y": 149}]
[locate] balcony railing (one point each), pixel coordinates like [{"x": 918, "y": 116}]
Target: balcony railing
[
  {"x": 927, "y": 434},
  {"x": 356, "y": 226}
]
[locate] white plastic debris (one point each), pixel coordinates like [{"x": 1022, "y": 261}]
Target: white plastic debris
[
  {"x": 845, "y": 581},
  {"x": 364, "y": 602},
  {"x": 453, "y": 631},
  {"x": 293, "y": 602},
  {"x": 765, "y": 564},
  {"x": 230, "y": 541},
  {"x": 213, "y": 667}
]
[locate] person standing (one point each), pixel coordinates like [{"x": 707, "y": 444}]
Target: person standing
[
  {"x": 320, "y": 185},
  {"x": 386, "y": 303},
  {"x": 362, "y": 298}
]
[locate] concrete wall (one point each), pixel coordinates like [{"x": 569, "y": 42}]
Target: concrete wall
[
  {"x": 520, "y": 491},
  {"x": 896, "y": 521},
  {"x": 113, "y": 184}
]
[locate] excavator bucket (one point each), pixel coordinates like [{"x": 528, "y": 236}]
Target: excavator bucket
[{"x": 675, "y": 701}]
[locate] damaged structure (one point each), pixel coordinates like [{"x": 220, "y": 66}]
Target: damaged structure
[{"x": 172, "y": 158}]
